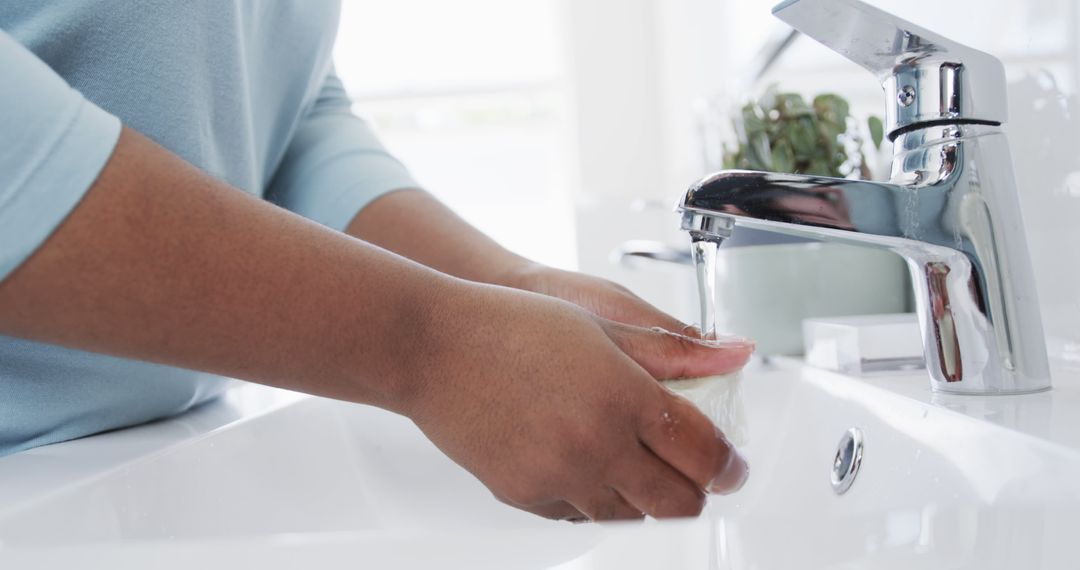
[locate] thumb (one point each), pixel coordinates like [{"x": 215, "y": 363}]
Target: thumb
[{"x": 667, "y": 355}]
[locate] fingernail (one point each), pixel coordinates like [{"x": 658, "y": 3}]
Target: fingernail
[
  {"x": 691, "y": 331},
  {"x": 727, "y": 342},
  {"x": 693, "y": 334},
  {"x": 733, "y": 477}
]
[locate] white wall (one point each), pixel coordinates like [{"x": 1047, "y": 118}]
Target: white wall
[{"x": 618, "y": 136}]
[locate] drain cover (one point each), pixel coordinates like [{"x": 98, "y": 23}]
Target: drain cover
[{"x": 848, "y": 458}]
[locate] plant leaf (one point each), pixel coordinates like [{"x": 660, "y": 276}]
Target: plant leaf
[
  {"x": 753, "y": 122},
  {"x": 792, "y": 105},
  {"x": 803, "y": 137},
  {"x": 877, "y": 130},
  {"x": 760, "y": 152},
  {"x": 783, "y": 158},
  {"x": 832, "y": 109}
]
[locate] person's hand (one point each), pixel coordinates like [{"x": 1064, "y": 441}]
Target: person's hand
[
  {"x": 559, "y": 412},
  {"x": 599, "y": 296}
]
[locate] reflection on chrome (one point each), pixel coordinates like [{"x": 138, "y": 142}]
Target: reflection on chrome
[{"x": 950, "y": 209}]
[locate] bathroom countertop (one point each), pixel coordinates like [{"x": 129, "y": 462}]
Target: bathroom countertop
[{"x": 1049, "y": 415}]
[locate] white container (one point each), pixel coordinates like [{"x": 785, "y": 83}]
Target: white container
[
  {"x": 865, "y": 344},
  {"x": 765, "y": 292}
]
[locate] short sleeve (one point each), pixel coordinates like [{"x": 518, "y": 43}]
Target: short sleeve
[
  {"x": 53, "y": 145},
  {"x": 335, "y": 164}
]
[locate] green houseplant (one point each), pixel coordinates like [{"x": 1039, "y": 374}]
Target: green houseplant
[{"x": 780, "y": 132}]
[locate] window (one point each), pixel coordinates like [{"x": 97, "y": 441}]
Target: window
[{"x": 469, "y": 94}]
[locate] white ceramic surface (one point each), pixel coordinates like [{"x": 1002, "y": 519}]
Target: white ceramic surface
[{"x": 283, "y": 481}]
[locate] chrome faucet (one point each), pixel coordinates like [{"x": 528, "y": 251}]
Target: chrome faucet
[{"x": 950, "y": 208}]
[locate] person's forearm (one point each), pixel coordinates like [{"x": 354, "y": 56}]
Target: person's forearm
[
  {"x": 413, "y": 223},
  {"x": 161, "y": 262}
]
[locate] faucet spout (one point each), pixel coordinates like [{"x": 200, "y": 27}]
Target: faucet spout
[
  {"x": 791, "y": 203},
  {"x": 951, "y": 212}
]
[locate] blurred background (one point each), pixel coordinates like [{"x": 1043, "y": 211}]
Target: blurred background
[{"x": 564, "y": 128}]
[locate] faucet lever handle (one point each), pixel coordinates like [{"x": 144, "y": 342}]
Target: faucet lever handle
[{"x": 926, "y": 77}]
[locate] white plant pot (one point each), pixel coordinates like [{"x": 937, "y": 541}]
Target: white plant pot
[{"x": 765, "y": 292}]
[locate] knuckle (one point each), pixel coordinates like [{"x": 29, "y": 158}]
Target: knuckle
[
  {"x": 685, "y": 503},
  {"x": 662, "y": 411},
  {"x": 577, "y": 445},
  {"x": 669, "y": 498},
  {"x": 694, "y": 505},
  {"x": 602, "y": 510},
  {"x": 622, "y": 513},
  {"x": 710, "y": 460},
  {"x": 557, "y": 511},
  {"x": 590, "y": 448},
  {"x": 655, "y": 488},
  {"x": 607, "y": 504}
]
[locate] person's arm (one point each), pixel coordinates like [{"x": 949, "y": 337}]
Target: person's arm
[
  {"x": 162, "y": 262},
  {"x": 415, "y": 224},
  {"x": 555, "y": 410}
]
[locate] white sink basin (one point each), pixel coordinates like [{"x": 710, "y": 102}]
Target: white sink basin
[{"x": 280, "y": 480}]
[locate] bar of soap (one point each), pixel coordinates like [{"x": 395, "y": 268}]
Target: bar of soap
[{"x": 720, "y": 398}]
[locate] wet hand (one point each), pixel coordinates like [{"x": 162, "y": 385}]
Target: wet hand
[{"x": 559, "y": 412}]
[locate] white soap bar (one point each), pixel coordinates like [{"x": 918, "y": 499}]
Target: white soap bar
[
  {"x": 720, "y": 398},
  {"x": 864, "y": 344}
]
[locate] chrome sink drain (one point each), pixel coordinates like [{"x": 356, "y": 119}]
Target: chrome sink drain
[{"x": 848, "y": 459}]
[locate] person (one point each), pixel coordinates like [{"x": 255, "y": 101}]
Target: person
[{"x": 186, "y": 196}]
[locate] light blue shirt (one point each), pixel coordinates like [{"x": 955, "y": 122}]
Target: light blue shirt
[{"x": 242, "y": 89}]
